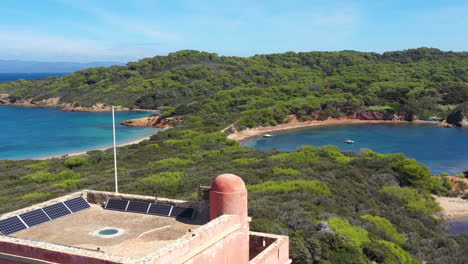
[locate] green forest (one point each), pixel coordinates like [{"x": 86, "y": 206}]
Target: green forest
[
  {"x": 336, "y": 207},
  {"x": 264, "y": 89}
]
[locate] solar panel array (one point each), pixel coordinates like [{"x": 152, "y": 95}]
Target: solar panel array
[
  {"x": 150, "y": 208},
  {"x": 26, "y": 220}
]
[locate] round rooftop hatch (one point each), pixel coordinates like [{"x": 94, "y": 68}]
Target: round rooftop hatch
[{"x": 108, "y": 232}]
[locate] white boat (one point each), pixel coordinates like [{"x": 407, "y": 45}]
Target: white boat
[
  {"x": 349, "y": 141},
  {"x": 267, "y": 135}
]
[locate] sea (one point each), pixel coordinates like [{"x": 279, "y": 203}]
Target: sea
[
  {"x": 440, "y": 149},
  {"x": 7, "y": 77},
  {"x": 458, "y": 226},
  {"x": 28, "y": 132}
]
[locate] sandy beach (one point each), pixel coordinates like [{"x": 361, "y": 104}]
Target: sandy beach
[
  {"x": 453, "y": 207},
  {"x": 84, "y": 152},
  {"x": 257, "y": 131}
]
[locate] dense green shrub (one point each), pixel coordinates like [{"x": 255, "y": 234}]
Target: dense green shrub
[
  {"x": 38, "y": 165},
  {"x": 288, "y": 171},
  {"x": 316, "y": 187},
  {"x": 165, "y": 178},
  {"x": 412, "y": 199},
  {"x": 386, "y": 226},
  {"x": 356, "y": 235},
  {"x": 35, "y": 196},
  {"x": 173, "y": 162},
  {"x": 75, "y": 162},
  {"x": 296, "y": 157},
  {"x": 246, "y": 161},
  {"x": 45, "y": 176},
  {"x": 67, "y": 183}
]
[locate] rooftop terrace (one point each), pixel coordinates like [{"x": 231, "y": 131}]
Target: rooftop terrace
[{"x": 143, "y": 237}]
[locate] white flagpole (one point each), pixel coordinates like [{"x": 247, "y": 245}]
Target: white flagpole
[{"x": 115, "y": 151}]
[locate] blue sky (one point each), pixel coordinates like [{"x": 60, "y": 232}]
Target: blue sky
[{"x": 117, "y": 30}]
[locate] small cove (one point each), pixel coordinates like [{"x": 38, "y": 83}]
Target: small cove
[
  {"x": 41, "y": 132},
  {"x": 440, "y": 149}
]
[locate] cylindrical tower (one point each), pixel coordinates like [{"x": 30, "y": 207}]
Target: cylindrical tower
[{"x": 228, "y": 195}]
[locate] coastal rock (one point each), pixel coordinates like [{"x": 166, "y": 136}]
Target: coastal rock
[
  {"x": 381, "y": 115},
  {"x": 152, "y": 121},
  {"x": 231, "y": 129},
  {"x": 144, "y": 121},
  {"x": 444, "y": 124},
  {"x": 459, "y": 116},
  {"x": 3, "y": 98}
]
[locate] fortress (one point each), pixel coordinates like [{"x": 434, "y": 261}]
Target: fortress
[{"x": 106, "y": 227}]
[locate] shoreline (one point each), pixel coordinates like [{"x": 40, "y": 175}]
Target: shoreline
[
  {"x": 452, "y": 207},
  {"x": 257, "y": 131},
  {"x": 81, "y": 153},
  {"x": 62, "y": 108}
]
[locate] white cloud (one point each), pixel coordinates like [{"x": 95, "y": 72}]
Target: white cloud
[
  {"x": 129, "y": 24},
  {"x": 27, "y": 44}
]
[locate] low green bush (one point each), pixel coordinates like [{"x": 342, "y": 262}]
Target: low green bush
[
  {"x": 387, "y": 227},
  {"x": 35, "y": 196},
  {"x": 413, "y": 200},
  {"x": 75, "y": 162},
  {"x": 67, "y": 183},
  {"x": 316, "y": 187},
  {"x": 38, "y": 165},
  {"x": 165, "y": 178},
  {"x": 288, "y": 171},
  {"x": 45, "y": 176},
  {"x": 246, "y": 161},
  {"x": 297, "y": 157},
  {"x": 173, "y": 163},
  {"x": 356, "y": 235}
]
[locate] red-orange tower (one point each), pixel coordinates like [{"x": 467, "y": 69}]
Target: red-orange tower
[{"x": 228, "y": 196}]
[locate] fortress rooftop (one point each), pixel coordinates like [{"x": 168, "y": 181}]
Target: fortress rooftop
[{"x": 106, "y": 229}]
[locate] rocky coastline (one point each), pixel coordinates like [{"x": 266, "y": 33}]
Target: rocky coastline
[
  {"x": 153, "y": 121},
  {"x": 6, "y": 100}
]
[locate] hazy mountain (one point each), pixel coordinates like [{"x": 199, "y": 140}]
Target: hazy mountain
[{"x": 18, "y": 66}]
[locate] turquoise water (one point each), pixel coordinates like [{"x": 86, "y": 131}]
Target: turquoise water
[
  {"x": 41, "y": 132},
  {"x": 440, "y": 149}
]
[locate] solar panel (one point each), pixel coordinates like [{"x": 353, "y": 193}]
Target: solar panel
[
  {"x": 118, "y": 205},
  {"x": 77, "y": 204},
  {"x": 34, "y": 217},
  {"x": 11, "y": 225},
  {"x": 139, "y": 207},
  {"x": 56, "y": 210},
  {"x": 160, "y": 209},
  {"x": 182, "y": 212}
]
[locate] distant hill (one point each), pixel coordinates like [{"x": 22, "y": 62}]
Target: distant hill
[
  {"x": 18, "y": 66},
  {"x": 265, "y": 89}
]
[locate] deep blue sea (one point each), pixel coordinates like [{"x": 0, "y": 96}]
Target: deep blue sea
[
  {"x": 6, "y": 77},
  {"x": 41, "y": 132},
  {"x": 440, "y": 149}
]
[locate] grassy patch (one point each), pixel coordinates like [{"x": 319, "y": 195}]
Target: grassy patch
[
  {"x": 316, "y": 187},
  {"x": 387, "y": 227},
  {"x": 355, "y": 234},
  {"x": 75, "y": 162},
  {"x": 413, "y": 200},
  {"x": 38, "y": 165},
  {"x": 173, "y": 162},
  {"x": 288, "y": 171},
  {"x": 246, "y": 161},
  {"x": 385, "y": 107}
]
